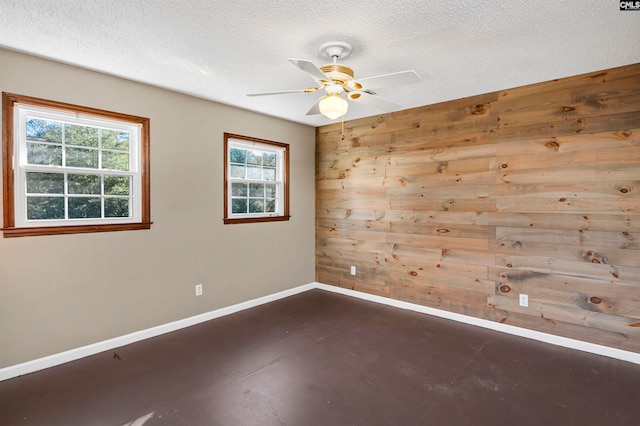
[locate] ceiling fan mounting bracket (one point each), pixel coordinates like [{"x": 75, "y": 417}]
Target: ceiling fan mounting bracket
[{"x": 335, "y": 49}]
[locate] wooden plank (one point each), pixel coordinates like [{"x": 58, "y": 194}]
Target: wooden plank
[
  {"x": 362, "y": 225},
  {"x": 441, "y": 242},
  {"x": 584, "y": 253},
  {"x": 348, "y": 234},
  {"x": 445, "y": 205},
  {"x": 449, "y": 230},
  {"x": 357, "y": 285},
  {"x": 450, "y": 299},
  {"x": 438, "y": 217},
  {"x": 416, "y": 140},
  {"x": 355, "y": 214},
  {"x": 469, "y": 165},
  {"x": 453, "y": 274},
  {"x": 570, "y": 174},
  {"x": 616, "y": 139},
  {"x": 594, "y": 124},
  {"x": 372, "y": 182},
  {"x": 576, "y": 315},
  {"x": 550, "y": 265},
  {"x": 572, "y": 110},
  {"x": 441, "y": 179},
  {"x": 366, "y": 204},
  {"x": 350, "y": 194},
  {"x": 595, "y": 222},
  {"x": 566, "y": 205},
  {"x": 578, "y": 237},
  {"x": 624, "y": 189},
  {"x": 565, "y": 329},
  {"x": 604, "y": 304},
  {"x": 431, "y": 192},
  {"x": 576, "y": 86},
  {"x": 432, "y": 254},
  {"x": 587, "y": 157},
  {"x": 517, "y": 282}
]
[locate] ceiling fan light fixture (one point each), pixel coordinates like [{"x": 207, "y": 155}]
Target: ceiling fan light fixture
[{"x": 333, "y": 106}]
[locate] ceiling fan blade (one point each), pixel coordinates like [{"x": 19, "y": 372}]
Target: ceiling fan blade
[
  {"x": 385, "y": 80},
  {"x": 315, "y": 109},
  {"x": 310, "y": 68},
  {"x": 373, "y": 100},
  {"x": 284, "y": 92}
]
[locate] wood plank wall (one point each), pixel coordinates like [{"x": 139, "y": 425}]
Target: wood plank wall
[{"x": 464, "y": 205}]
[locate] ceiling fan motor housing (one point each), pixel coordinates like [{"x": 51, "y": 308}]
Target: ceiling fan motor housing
[{"x": 340, "y": 74}]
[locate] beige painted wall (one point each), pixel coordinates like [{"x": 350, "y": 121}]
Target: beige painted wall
[{"x": 61, "y": 292}]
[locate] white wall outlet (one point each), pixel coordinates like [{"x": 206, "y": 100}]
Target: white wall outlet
[
  {"x": 198, "y": 289},
  {"x": 353, "y": 270},
  {"x": 524, "y": 300}
]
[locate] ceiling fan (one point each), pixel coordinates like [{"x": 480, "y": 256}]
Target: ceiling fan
[{"x": 338, "y": 82}]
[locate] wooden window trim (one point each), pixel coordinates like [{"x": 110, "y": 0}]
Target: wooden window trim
[
  {"x": 285, "y": 161},
  {"x": 8, "y": 196}
]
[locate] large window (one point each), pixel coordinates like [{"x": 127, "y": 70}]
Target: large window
[
  {"x": 256, "y": 187},
  {"x": 72, "y": 169}
]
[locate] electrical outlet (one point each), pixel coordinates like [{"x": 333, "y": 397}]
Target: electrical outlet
[
  {"x": 353, "y": 270},
  {"x": 198, "y": 289},
  {"x": 524, "y": 300}
]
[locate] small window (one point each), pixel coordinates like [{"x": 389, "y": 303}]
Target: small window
[
  {"x": 256, "y": 183},
  {"x": 72, "y": 169}
]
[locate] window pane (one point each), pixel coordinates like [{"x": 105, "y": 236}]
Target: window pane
[
  {"x": 48, "y": 155},
  {"x": 84, "y": 207},
  {"x": 116, "y": 207},
  {"x": 83, "y": 184},
  {"x": 239, "y": 205},
  {"x": 237, "y": 155},
  {"x": 239, "y": 189},
  {"x": 256, "y": 206},
  {"x": 115, "y": 160},
  {"x": 256, "y": 190},
  {"x": 80, "y": 135},
  {"x": 81, "y": 157},
  {"x": 254, "y": 172},
  {"x": 269, "y": 159},
  {"x": 269, "y": 174},
  {"x": 237, "y": 171},
  {"x": 270, "y": 190},
  {"x": 45, "y": 208},
  {"x": 116, "y": 185},
  {"x": 45, "y": 183},
  {"x": 254, "y": 157},
  {"x": 43, "y": 131},
  {"x": 112, "y": 139},
  {"x": 270, "y": 206}
]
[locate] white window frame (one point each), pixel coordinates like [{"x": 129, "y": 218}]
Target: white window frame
[
  {"x": 21, "y": 113},
  {"x": 281, "y": 152}
]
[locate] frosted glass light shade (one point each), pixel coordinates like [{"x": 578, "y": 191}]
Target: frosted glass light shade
[{"x": 333, "y": 106}]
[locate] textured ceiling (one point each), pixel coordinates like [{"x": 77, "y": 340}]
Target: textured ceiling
[{"x": 221, "y": 50}]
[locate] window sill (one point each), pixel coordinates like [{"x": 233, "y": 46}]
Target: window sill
[
  {"x": 73, "y": 229},
  {"x": 228, "y": 221}
]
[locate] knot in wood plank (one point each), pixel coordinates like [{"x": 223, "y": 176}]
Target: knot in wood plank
[
  {"x": 552, "y": 145},
  {"x": 623, "y": 134},
  {"x": 479, "y": 109}
]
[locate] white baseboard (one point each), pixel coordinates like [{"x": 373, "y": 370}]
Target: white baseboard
[
  {"x": 116, "y": 342},
  {"x": 505, "y": 328}
]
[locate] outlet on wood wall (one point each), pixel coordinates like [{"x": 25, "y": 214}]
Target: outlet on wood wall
[{"x": 467, "y": 204}]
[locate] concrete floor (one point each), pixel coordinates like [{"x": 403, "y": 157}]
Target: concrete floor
[{"x": 320, "y": 358}]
